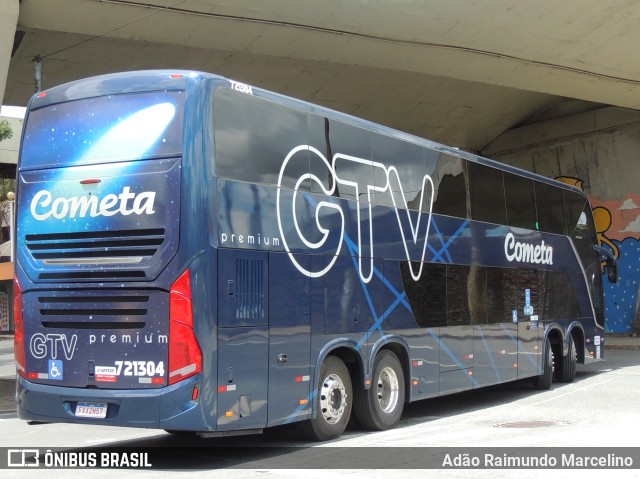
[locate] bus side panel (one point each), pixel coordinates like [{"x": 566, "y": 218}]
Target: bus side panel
[
  {"x": 495, "y": 354},
  {"x": 529, "y": 349},
  {"x": 243, "y": 306},
  {"x": 456, "y": 359},
  {"x": 289, "y": 340},
  {"x": 242, "y": 377}
]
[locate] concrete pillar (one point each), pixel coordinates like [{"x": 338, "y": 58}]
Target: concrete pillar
[{"x": 8, "y": 21}]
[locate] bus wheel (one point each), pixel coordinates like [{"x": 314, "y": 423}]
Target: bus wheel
[
  {"x": 333, "y": 401},
  {"x": 567, "y": 364},
  {"x": 543, "y": 382},
  {"x": 380, "y": 406}
]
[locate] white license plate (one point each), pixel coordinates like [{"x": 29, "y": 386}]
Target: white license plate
[{"x": 89, "y": 409}]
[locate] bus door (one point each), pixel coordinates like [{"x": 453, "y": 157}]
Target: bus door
[
  {"x": 243, "y": 335},
  {"x": 289, "y": 339}
]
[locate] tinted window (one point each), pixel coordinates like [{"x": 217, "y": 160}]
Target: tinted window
[
  {"x": 104, "y": 129},
  {"x": 574, "y": 206},
  {"x": 408, "y": 161},
  {"x": 560, "y": 300},
  {"x": 318, "y": 138},
  {"x": 486, "y": 192},
  {"x": 584, "y": 237},
  {"x": 253, "y": 137},
  {"x": 528, "y": 294},
  {"x": 458, "y": 295},
  {"x": 550, "y": 208},
  {"x": 521, "y": 202},
  {"x": 450, "y": 186},
  {"x": 348, "y": 149},
  {"x": 427, "y": 296},
  {"x": 477, "y": 292},
  {"x": 502, "y": 294}
]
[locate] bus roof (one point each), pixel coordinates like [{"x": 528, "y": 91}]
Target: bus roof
[{"x": 146, "y": 80}]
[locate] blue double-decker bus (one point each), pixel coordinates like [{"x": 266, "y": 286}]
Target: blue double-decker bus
[{"x": 197, "y": 254}]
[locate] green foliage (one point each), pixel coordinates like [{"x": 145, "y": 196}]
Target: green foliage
[{"x": 5, "y": 130}]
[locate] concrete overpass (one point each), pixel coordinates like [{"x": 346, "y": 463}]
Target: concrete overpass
[
  {"x": 460, "y": 72},
  {"x": 550, "y": 86}
]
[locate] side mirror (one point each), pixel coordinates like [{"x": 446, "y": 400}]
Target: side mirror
[{"x": 611, "y": 264}]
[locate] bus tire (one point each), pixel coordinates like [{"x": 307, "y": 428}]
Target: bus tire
[
  {"x": 543, "y": 382},
  {"x": 334, "y": 399},
  {"x": 567, "y": 364},
  {"x": 380, "y": 407}
]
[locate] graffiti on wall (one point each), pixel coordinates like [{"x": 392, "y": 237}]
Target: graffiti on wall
[{"x": 618, "y": 226}]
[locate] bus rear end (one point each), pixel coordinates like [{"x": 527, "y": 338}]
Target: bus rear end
[{"x": 104, "y": 320}]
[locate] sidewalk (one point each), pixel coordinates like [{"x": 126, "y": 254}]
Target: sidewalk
[
  {"x": 622, "y": 341},
  {"x": 7, "y": 395}
]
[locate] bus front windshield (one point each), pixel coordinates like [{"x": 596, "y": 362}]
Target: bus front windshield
[{"x": 104, "y": 129}]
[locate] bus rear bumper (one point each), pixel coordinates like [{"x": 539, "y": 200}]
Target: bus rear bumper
[{"x": 170, "y": 407}]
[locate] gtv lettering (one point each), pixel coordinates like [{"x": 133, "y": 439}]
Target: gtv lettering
[
  {"x": 48, "y": 345},
  {"x": 43, "y": 206},
  {"x": 343, "y": 171}
]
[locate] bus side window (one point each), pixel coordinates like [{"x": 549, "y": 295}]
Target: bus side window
[
  {"x": 428, "y": 296},
  {"x": 560, "y": 299},
  {"x": 502, "y": 294},
  {"x": 253, "y": 136},
  {"x": 521, "y": 201},
  {"x": 457, "y": 295},
  {"x": 348, "y": 149},
  {"x": 450, "y": 186},
  {"x": 582, "y": 228},
  {"x": 528, "y": 292},
  {"x": 550, "y": 209},
  {"x": 407, "y": 159},
  {"x": 574, "y": 206},
  {"x": 486, "y": 194}
]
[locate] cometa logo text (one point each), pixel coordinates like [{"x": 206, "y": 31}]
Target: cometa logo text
[{"x": 527, "y": 252}]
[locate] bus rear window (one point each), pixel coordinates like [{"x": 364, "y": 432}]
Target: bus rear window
[{"x": 104, "y": 129}]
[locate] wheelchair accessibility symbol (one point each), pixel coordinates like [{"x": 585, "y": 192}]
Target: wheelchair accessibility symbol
[{"x": 55, "y": 369}]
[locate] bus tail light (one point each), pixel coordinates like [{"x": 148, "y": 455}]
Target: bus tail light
[
  {"x": 18, "y": 345},
  {"x": 185, "y": 355}
]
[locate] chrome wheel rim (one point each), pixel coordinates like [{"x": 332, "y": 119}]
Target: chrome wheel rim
[
  {"x": 388, "y": 390},
  {"x": 333, "y": 398}
]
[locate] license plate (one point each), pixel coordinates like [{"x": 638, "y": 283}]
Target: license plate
[{"x": 88, "y": 409}]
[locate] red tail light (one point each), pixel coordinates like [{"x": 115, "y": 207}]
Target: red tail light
[
  {"x": 185, "y": 355},
  {"x": 18, "y": 346}
]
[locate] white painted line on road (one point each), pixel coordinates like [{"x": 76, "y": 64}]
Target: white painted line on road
[
  {"x": 573, "y": 391},
  {"x": 121, "y": 438}
]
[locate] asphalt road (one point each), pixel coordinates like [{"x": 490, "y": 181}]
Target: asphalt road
[{"x": 601, "y": 408}]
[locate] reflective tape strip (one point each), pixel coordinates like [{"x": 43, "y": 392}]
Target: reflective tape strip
[
  {"x": 183, "y": 371},
  {"x": 224, "y": 389}
]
